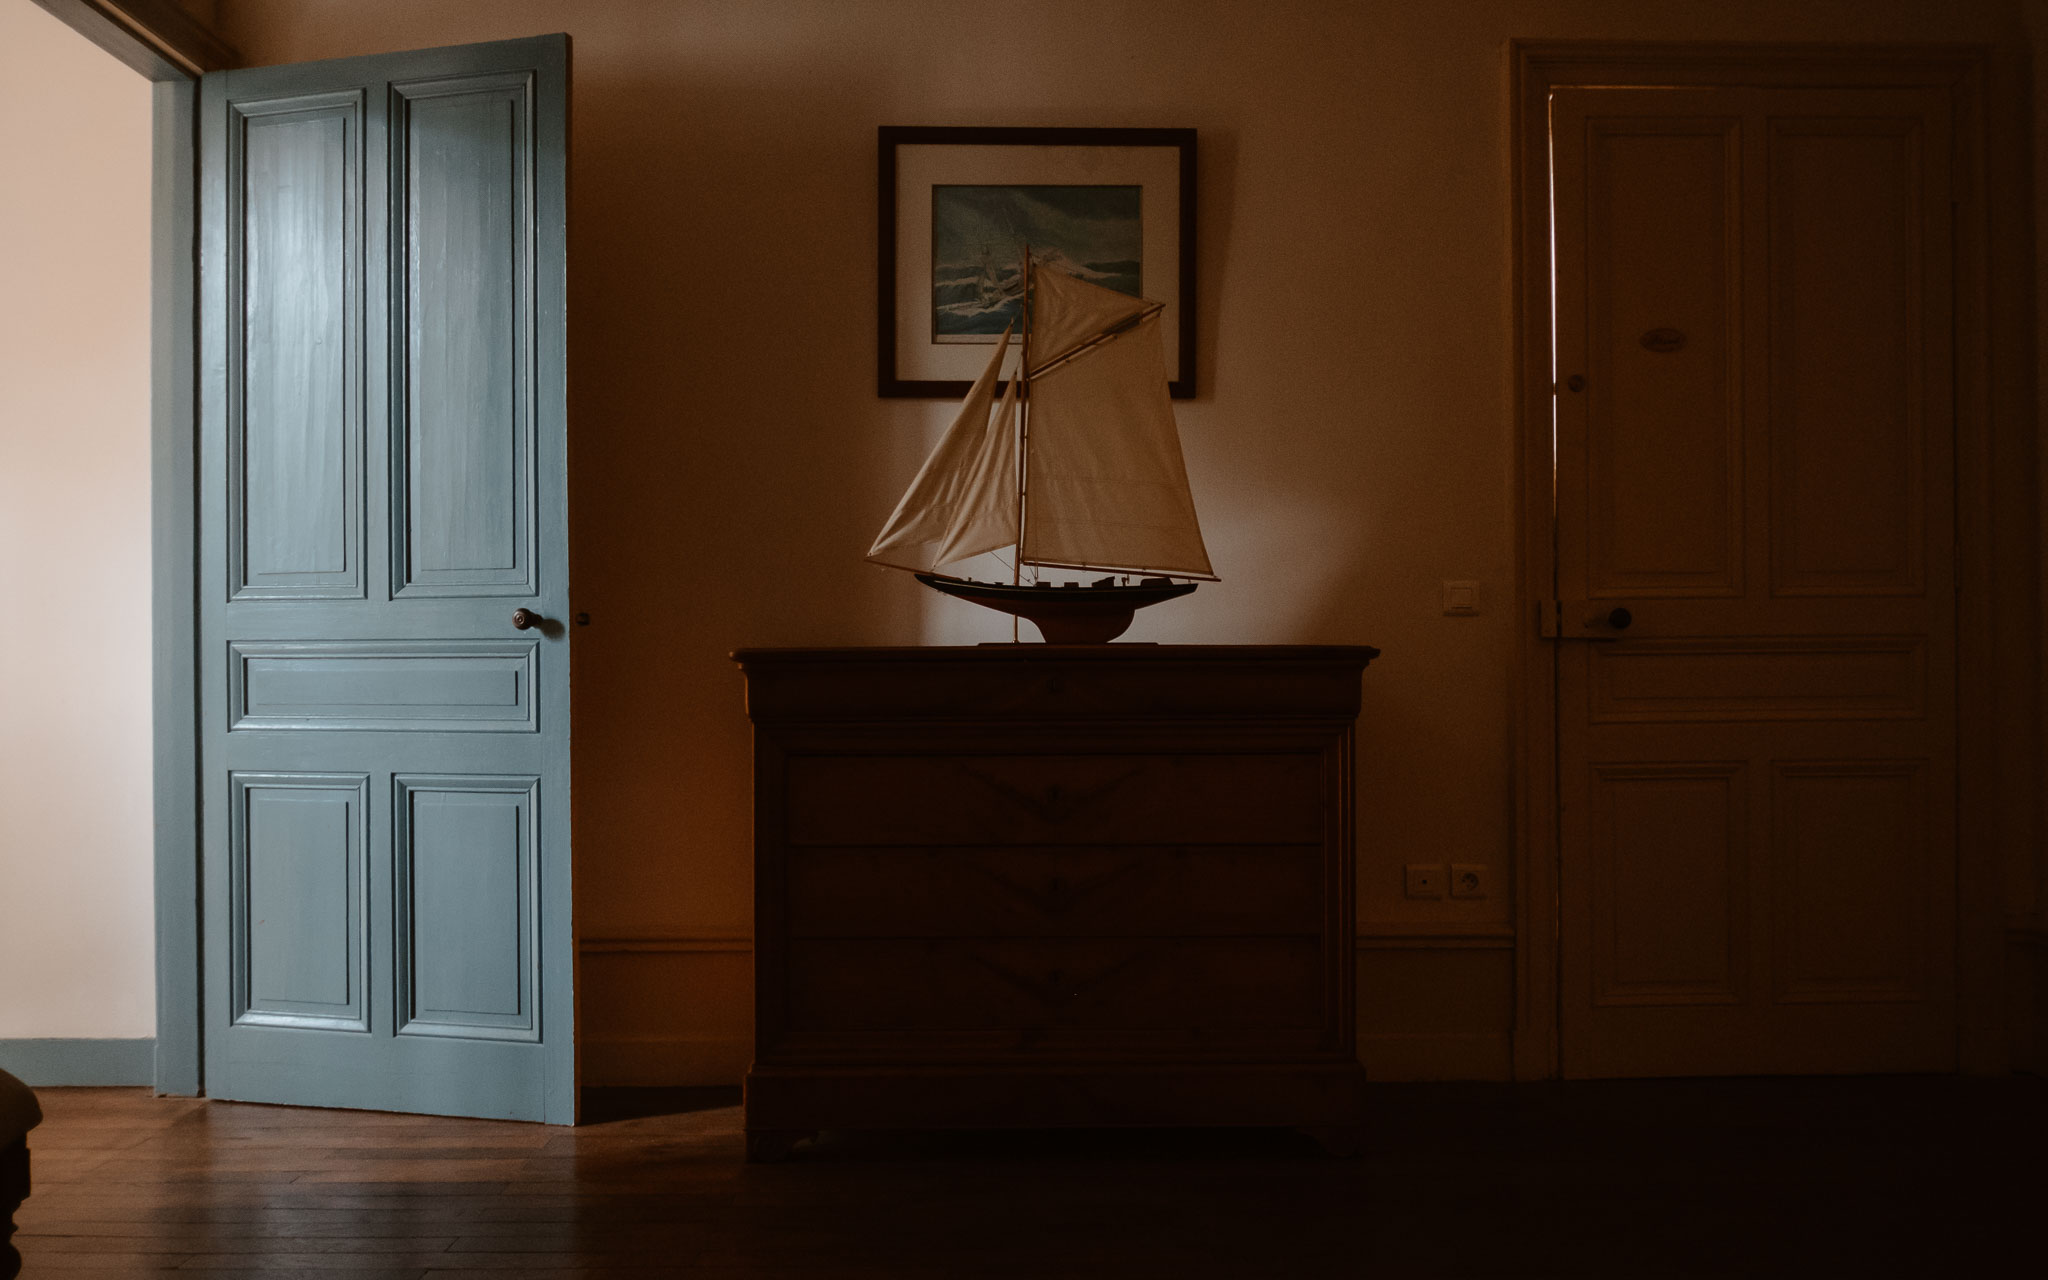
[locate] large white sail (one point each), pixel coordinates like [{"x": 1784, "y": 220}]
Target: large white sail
[
  {"x": 964, "y": 500},
  {"x": 1106, "y": 487},
  {"x": 1066, "y": 312}
]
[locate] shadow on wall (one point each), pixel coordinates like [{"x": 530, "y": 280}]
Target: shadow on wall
[{"x": 723, "y": 460}]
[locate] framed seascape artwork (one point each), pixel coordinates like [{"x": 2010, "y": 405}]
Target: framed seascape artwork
[{"x": 1114, "y": 207}]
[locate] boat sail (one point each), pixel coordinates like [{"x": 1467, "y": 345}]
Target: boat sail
[
  {"x": 988, "y": 288},
  {"x": 1077, "y": 466}
]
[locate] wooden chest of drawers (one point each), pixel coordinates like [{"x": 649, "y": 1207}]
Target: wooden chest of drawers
[{"x": 1031, "y": 885}]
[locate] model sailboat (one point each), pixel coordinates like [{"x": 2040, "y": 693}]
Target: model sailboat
[{"x": 1078, "y": 466}]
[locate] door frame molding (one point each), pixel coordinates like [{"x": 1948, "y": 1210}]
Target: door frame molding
[
  {"x": 155, "y": 37},
  {"x": 1996, "y": 637},
  {"x": 165, "y": 44},
  {"x": 174, "y": 583}
]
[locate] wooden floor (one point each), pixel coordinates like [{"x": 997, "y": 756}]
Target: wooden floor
[{"x": 1822, "y": 1178}]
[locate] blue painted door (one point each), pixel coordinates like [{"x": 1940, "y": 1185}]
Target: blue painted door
[{"x": 384, "y": 748}]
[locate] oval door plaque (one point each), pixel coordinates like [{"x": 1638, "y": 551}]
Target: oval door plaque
[{"x": 1664, "y": 341}]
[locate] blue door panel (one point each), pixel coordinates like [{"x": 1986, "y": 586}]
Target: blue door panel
[
  {"x": 294, "y": 253},
  {"x": 465, "y": 158},
  {"x": 482, "y": 686},
  {"x": 299, "y": 853},
  {"x": 466, "y": 946}
]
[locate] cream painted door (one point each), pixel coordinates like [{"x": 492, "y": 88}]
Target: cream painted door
[{"x": 1754, "y": 439}]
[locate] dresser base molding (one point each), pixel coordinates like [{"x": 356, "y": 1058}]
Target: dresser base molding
[{"x": 1325, "y": 1101}]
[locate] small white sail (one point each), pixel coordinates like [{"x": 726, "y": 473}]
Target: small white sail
[
  {"x": 986, "y": 515},
  {"x": 1066, "y": 312},
  {"x": 966, "y": 493},
  {"x": 1106, "y": 486}
]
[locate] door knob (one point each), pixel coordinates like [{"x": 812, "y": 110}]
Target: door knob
[
  {"x": 524, "y": 619},
  {"x": 1605, "y": 626}
]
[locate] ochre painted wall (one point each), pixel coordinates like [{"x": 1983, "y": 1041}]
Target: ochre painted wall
[
  {"x": 77, "y": 926},
  {"x": 1351, "y": 448}
]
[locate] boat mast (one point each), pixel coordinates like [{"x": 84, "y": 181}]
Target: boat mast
[{"x": 1023, "y": 414}]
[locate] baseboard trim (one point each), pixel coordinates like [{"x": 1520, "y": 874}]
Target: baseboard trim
[
  {"x": 665, "y": 1061},
  {"x": 1371, "y": 934},
  {"x": 53, "y": 1063},
  {"x": 718, "y": 1049},
  {"x": 1403, "y": 935},
  {"x": 663, "y": 944}
]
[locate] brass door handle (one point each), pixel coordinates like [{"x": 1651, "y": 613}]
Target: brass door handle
[{"x": 526, "y": 619}]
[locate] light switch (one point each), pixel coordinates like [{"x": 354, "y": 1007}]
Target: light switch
[{"x": 1461, "y": 599}]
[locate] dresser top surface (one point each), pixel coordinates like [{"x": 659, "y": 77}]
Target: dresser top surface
[
  {"x": 1020, "y": 682},
  {"x": 1001, "y": 654}
]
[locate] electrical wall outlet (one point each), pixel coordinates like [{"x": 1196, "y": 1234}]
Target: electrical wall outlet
[
  {"x": 1468, "y": 880},
  {"x": 1425, "y": 879}
]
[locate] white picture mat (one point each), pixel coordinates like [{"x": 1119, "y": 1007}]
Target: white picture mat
[{"x": 921, "y": 166}]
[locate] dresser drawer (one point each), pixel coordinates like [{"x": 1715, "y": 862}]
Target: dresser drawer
[
  {"x": 1053, "y": 885},
  {"x": 1193, "y": 987},
  {"x": 940, "y": 891},
  {"x": 1069, "y": 798}
]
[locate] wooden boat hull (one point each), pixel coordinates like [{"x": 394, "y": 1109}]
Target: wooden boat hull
[{"x": 1063, "y": 615}]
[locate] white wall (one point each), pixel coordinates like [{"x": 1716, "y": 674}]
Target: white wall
[{"x": 76, "y": 920}]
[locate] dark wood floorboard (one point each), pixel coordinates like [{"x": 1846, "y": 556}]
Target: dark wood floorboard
[{"x": 1903, "y": 1176}]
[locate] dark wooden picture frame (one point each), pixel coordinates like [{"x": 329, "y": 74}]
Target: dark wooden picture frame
[{"x": 910, "y": 154}]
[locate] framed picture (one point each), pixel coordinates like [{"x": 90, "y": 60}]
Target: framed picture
[{"x": 1115, "y": 207}]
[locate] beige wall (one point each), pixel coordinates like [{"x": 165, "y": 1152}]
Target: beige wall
[
  {"x": 1351, "y": 449},
  {"x": 76, "y": 920}
]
